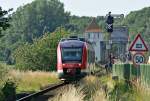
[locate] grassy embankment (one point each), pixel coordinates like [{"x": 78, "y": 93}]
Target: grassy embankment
[
  {"x": 29, "y": 81},
  {"x": 91, "y": 88},
  {"x": 103, "y": 88},
  {"x": 88, "y": 89},
  {"x": 32, "y": 81}
]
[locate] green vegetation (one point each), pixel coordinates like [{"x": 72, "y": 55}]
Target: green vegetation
[
  {"x": 33, "y": 20},
  {"x": 104, "y": 88},
  {"x": 139, "y": 22},
  {"x": 30, "y": 81},
  {"x": 88, "y": 89},
  {"x": 91, "y": 86},
  {"x": 69, "y": 93},
  {"x": 4, "y": 21},
  {"x": 41, "y": 55},
  {"x": 122, "y": 91},
  {"x": 7, "y": 85},
  {"x": 9, "y": 90},
  {"x": 78, "y": 24},
  {"x": 15, "y": 81},
  {"x": 30, "y": 42},
  {"x": 3, "y": 73},
  {"x": 30, "y": 22}
]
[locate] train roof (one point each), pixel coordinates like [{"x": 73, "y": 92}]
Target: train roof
[
  {"x": 71, "y": 43},
  {"x": 75, "y": 42},
  {"x": 75, "y": 39}
]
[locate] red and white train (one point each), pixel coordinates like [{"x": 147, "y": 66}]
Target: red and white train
[{"x": 74, "y": 57}]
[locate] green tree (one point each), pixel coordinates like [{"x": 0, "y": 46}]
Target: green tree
[
  {"x": 4, "y": 21},
  {"x": 41, "y": 55},
  {"x": 138, "y": 22},
  {"x": 31, "y": 21}
]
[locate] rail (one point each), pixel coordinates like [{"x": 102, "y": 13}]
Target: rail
[{"x": 29, "y": 97}]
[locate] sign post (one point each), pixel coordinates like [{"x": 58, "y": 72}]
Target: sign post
[{"x": 139, "y": 47}]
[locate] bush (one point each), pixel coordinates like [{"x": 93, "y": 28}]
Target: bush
[
  {"x": 9, "y": 90},
  {"x": 41, "y": 55},
  {"x": 7, "y": 87},
  {"x": 2, "y": 97},
  {"x": 122, "y": 92}
]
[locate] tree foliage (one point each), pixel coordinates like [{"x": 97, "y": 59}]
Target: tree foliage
[
  {"x": 41, "y": 55},
  {"x": 31, "y": 21},
  {"x": 78, "y": 24},
  {"x": 4, "y": 21},
  {"x": 139, "y": 22}
]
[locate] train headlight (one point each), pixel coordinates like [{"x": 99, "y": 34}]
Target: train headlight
[{"x": 79, "y": 64}]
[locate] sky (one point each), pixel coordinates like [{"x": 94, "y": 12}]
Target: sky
[{"x": 89, "y": 7}]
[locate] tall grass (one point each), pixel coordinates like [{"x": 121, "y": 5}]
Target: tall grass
[
  {"x": 125, "y": 91},
  {"x": 88, "y": 89},
  {"x": 99, "y": 96},
  {"x": 104, "y": 88},
  {"x": 70, "y": 93},
  {"x": 32, "y": 81},
  {"x": 93, "y": 89},
  {"x": 3, "y": 74},
  {"x": 142, "y": 92}
]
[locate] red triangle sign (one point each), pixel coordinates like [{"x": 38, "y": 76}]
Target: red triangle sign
[{"x": 138, "y": 44}]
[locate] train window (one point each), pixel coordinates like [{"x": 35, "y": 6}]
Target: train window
[{"x": 71, "y": 54}]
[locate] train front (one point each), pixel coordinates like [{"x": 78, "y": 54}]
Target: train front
[{"x": 71, "y": 58}]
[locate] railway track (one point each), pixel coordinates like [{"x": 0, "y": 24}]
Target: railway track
[
  {"x": 37, "y": 95},
  {"x": 34, "y": 95}
]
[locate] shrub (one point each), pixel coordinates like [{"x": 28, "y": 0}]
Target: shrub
[
  {"x": 2, "y": 97},
  {"x": 121, "y": 92},
  {"x": 7, "y": 87},
  {"x": 9, "y": 90}
]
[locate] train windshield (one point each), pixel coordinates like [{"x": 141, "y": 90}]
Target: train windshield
[{"x": 71, "y": 55}]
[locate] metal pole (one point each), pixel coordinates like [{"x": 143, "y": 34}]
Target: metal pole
[
  {"x": 109, "y": 54},
  {"x": 109, "y": 51}
]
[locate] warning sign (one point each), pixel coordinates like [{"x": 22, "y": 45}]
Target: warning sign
[{"x": 138, "y": 44}]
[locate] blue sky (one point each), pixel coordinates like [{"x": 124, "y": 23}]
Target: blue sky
[{"x": 89, "y": 7}]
